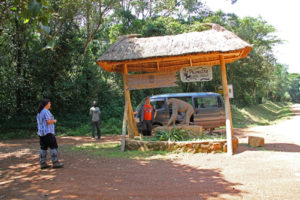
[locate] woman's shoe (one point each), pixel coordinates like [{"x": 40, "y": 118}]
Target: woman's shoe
[
  {"x": 58, "y": 165},
  {"x": 44, "y": 165}
]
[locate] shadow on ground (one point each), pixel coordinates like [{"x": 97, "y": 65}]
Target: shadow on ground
[{"x": 87, "y": 177}]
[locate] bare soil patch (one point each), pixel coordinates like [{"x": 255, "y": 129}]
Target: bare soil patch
[{"x": 269, "y": 172}]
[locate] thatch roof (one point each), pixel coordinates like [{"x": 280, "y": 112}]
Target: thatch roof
[{"x": 169, "y": 53}]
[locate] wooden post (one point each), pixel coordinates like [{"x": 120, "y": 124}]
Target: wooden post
[
  {"x": 132, "y": 128},
  {"x": 124, "y": 127},
  {"x": 227, "y": 106}
]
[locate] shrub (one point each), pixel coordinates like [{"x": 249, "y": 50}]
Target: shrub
[{"x": 175, "y": 134}]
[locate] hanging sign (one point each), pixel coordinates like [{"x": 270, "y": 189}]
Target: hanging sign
[
  {"x": 230, "y": 90},
  {"x": 152, "y": 80},
  {"x": 196, "y": 73}
]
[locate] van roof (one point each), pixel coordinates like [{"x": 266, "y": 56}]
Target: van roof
[{"x": 194, "y": 94}]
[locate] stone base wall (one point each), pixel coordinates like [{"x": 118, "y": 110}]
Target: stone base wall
[{"x": 187, "y": 146}]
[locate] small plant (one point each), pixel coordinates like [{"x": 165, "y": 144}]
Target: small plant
[{"x": 175, "y": 134}]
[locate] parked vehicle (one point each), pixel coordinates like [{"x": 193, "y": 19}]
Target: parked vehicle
[{"x": 208, "y": 107}]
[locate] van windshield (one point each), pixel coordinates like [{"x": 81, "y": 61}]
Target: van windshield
[{"x": 158, "y": 103}]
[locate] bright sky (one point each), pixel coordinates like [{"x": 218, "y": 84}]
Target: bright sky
[{"x": 283, "y": 15}]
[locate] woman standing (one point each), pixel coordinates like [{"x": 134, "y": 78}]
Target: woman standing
[{"x": 45, "y": 122}]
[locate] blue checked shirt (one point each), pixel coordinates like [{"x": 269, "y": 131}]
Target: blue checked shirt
[{"x": 43, "y": 127}]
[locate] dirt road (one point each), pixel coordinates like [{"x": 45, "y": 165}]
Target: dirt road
[{"x": 271, "y": 172}]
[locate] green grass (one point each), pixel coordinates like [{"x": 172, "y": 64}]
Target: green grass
[
  {"x": 262, "y": 114},
  {"x": 78, "y": 125},
  {"x": 68, "y": 126},
  {"x": 111, "y": 126},
  {"x": 17, "y": 134},
  {"x": 113, "y": 150}
]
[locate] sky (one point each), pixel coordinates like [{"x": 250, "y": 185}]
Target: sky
[{"x": 284, "y": 15}]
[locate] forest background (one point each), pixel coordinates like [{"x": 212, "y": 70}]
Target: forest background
[{"x": 49, "y": 48}]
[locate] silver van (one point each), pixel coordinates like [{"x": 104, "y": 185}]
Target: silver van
[{"x": 209, "y": 111}]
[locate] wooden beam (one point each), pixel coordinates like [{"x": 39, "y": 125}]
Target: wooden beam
[
  {"x": 171, "y": 67},
  {"x": 191, "y": 62},
  {"x": 123, "y": 140},
  {"x": 107, "y": 67},
  {"x": 170, "y": 58},
  {"x": 227, "y": 107},
  {"x": 132, "y": 128}
]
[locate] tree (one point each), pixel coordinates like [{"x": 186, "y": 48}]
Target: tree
[
  {"x": 37, "y": 12},
  {"x": 294, "y": 87},
  {"x": 49, "y": 48},
  {"x": 254, "y": 76}
]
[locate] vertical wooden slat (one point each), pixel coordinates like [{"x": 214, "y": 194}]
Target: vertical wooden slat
[
  {"x": 132, "y": 128},
  {"x": 227, "y": 106},
  {"x": 124, "y": 127}
]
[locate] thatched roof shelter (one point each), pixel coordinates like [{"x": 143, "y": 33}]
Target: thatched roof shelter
[
  {"x": 216, "y": 46},
  {"x": 170, "y": 53}
]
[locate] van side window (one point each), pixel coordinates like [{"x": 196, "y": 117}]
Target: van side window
[
  {"x": 206, "y": 102},
  {"x": 158, "y": 104},
  {"x": 186, "y": 99}
]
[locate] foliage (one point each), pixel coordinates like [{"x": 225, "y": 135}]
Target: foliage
[
  {"x": 258, "y": 77},
  {"x": 35, "y": 12},
  {"x": 77, "y": 125},
  {"x": 294, "y": 87},
  {"x": 67, "y": 125},
  {"x": 174, "y": 134},
  {"x": 48, "y": 49}
]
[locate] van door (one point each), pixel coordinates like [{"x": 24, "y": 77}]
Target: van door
[
  {"x": 222, "y": 111},
  {"x": 162, "y": 111},
  {"x": 207, "y": 111}
]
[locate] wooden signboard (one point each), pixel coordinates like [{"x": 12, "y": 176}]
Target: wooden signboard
[
  {"x": 152, "y": 80},
  {"x": 196, "y": 73}
]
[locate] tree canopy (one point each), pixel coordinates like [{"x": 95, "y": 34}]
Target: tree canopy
[{"x": 49, "y": 49}]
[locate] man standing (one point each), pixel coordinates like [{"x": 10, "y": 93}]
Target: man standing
[
  {"x": 95, "y": 120},
  {"x": 146, "y": 113}
]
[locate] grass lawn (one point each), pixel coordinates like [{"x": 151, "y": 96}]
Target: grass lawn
[
  {"x": 255, "y": 115},
  {"x": 262, "y": 114},
  {"x": 113, "y": 150}
]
